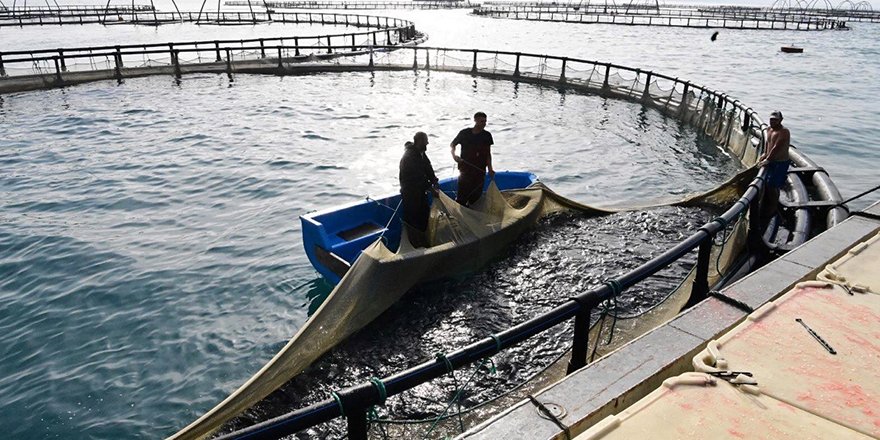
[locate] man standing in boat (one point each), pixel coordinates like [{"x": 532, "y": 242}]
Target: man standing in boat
[
  {"x": 776, "y": 159},
  {"x": 416, "y": 179},
  {"x": 476, "y": 158}
]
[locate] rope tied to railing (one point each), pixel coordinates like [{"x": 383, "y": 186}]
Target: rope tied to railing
[
  {"x": 615, "y": 287},
  {"x": 338, "y": 402},
  {"x": 449, "y": 368},
  {"x": 456, "y": 399},
  {"x": 497, "y": 342},
  {"x": 380, "y": 388}
]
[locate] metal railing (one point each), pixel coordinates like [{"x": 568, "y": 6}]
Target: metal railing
[
  {"x": 155, "y": 18},
  {"x": 663, "y": 17}
]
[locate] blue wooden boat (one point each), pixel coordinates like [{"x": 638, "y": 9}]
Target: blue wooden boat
[{"x": 334, "y": 237}]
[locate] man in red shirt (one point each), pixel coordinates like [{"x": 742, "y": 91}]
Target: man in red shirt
[{"x": 475, "y": 160}]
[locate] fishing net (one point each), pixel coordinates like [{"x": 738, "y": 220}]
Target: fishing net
[{"x": 462, "y": 239}]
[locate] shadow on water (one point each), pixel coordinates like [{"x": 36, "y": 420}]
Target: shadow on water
[
  {"x": 564, "y": 255},
  {"x": 318, "y": 291}
]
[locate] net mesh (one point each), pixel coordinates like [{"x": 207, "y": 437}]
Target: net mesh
[{"x": 461, "y": 239}]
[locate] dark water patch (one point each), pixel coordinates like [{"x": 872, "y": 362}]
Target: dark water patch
[{"x": 315, "y": 136}]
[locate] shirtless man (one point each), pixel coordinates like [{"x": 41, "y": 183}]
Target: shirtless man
[{"x": 775, "y": 158}]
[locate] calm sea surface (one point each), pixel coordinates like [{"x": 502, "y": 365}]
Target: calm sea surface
[{"x": 150, "y": 251}]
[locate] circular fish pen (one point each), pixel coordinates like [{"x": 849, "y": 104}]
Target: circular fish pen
[
  {"x": 714, "y": 115},
  {"x": 661, "y": 17}
]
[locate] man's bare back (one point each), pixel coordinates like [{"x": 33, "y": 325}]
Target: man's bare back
[{"x": 778, "y": 140}]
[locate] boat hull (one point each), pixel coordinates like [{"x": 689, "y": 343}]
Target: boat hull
[{"x": 334, "y": 238}]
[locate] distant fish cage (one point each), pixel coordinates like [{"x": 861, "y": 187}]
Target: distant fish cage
[
  {"x": 644, "y": 16},
  {"x": 154, "y": 18},
  {"x": 859, "y": 14}
]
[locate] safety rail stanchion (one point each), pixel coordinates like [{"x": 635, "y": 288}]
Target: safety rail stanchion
[
  {"x": 57, "y": 70},
  {"x": 2, "y": 68},
  {"x": 581, "y": 339},
  {"x": 562, "y": 73},
  {"x": 607, "y": 74},
  {"x": 700, "y": 286},
  {"x": 516, "y": 68},
  {"x": 118, "y": 59},
  {"x": 175, "y": 58}
]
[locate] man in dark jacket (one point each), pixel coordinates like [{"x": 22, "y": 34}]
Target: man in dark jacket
[{"x": 416, "y": 179}]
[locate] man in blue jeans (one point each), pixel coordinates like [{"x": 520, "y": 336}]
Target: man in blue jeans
[{"x": 776, "y": 159}]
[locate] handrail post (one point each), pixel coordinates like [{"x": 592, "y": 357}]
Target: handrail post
[
  {"x": 57, "y": 69},
  {"x": 229, "y": 63},
  {"x": 700, "y": 287},
  {"x": 562, "y": 74},
  {"x": 357, "y": 424},
  {"x": 262, "y": 48},
  {"x": 684, "y": 93},
  {"x": 353, "y": 47},
  {"x": 2, "y": 69},
  {"x": 329, "y": 45},
  {"x": 175, "y": 58},
  {"x": 754, "y": 233},
  {"x": 516, "y": 69},
  {"x": 280, "y": 60},
  {"x": 415, "y": 59},
  {"x": 118, "y": 57},
  {"x": 61, "y": 57},
  {"x": 474, "y": 68},
  {"x": 581, "y": 340},
  {"x": 607, "y": 74},
  {"x": 374, "y": 39},
  {"x": 427, "y": 59},
  {"x": 295, "y": 47},
  {"x": 646, "y": 94},
  {"x": 217, "y": 47}
]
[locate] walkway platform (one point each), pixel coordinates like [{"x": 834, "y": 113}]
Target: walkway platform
[{"x": 802, "y": 340}]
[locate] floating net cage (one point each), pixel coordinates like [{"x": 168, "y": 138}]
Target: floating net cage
[{"x": 732, "y": 125}]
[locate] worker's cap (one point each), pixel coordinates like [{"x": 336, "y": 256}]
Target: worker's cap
[{"x": 776, "y": 115}]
